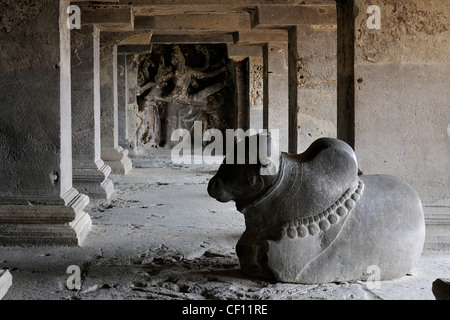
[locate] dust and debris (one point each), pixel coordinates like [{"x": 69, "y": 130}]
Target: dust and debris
[{"x": 174, "y": 243}]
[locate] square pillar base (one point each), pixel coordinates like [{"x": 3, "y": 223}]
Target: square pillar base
[
  {"x": 117, "y": 158},
  {"x": 94, "y": 181},
  {"x": 437, "y": 222},
  {"x": 53, "y": 224}
]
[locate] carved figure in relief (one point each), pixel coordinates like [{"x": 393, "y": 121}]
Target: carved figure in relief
[{"x": 175, "y": 99}]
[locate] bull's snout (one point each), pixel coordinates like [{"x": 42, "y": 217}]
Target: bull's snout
[
  {"x": 212, "y": 186},
  {"x": 215, "y": 189}
]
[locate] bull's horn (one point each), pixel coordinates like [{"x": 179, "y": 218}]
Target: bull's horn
[{"x": 269, "y": 153}]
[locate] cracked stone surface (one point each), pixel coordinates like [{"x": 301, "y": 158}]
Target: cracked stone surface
[{"x": 162, "y": 237}]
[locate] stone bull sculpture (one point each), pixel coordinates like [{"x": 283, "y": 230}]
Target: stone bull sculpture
[{"x": 316, "y": 220}]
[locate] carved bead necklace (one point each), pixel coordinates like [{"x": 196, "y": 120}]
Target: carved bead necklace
[{"x": 313, "y": 224}]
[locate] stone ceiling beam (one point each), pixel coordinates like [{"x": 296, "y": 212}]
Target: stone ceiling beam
[
  {"x": 279, "y": 16},
  {"x": 126, "y": 38},
  {"x": 110, "y": 19},
  {"x": 219, "y": 3},
  {"x": 134, "y": 49},
  {"x": 194, "y": 38},
  {"x": 244, "y": 50},
  {"x": 262, "y": 36},
  {"x": 194, "y": 22},
  {"x": 84, "y": 1}
]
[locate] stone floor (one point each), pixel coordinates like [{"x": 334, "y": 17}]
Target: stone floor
[{"x": 162, "y": 237}]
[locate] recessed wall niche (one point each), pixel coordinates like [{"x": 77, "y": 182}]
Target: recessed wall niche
[{"x": 180, "y": 84}]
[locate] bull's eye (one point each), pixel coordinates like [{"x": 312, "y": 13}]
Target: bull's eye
[{"x": 251, "y": 180}]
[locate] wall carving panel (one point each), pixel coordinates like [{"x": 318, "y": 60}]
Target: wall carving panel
[{"x": 180, "y": 84}]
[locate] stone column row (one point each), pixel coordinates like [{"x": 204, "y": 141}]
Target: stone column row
[
  {"x": 275, "y": 99},
  {"x": 127, "y": 72},
  {"x": 38, "y": 203},
  {"x": 90, "y": 172},
  {"x": 113, "y": 154},
  {"x": 96, "y": 151},
  {"x": 58, "y": 129}
]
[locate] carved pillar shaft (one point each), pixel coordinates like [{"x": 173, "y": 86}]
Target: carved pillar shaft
[
  {"x": 242, "y": 94},
  {"x": 292, "y": 90},
  {"x": 278, "y": 84},
  {"x": 90, "y": 173},
  {"x": 113, "y": 154},
  {"x": 131, "y": 70},
  {"x": 121, "y": 103},
  {"x": 265, "y": 89},
  {"x": 345, "y": 73}
]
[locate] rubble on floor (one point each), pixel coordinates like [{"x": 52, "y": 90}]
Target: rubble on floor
[{"x": 162, "y": 237}]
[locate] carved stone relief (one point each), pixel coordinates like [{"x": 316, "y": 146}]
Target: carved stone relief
[{"x": 180, "y": 84}]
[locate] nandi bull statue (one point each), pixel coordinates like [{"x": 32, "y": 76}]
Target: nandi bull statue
[{"x": 315, "y": 220}]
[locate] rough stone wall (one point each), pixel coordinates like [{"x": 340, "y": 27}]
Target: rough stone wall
[
  {"x": 317, "y": 82},
  {"x": 15, "y": 13},
  {"x": 256, "y": 82},
  {"x": 411, "y": 31},
  {"x": 402, "y": 94},
  {"x": 256, "y": 93}
]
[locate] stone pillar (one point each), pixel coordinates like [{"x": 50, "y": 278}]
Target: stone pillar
[
  {"x": 277, "y": 91},
  {"x": 265, "y": 86},
  {"x": 113, "y": 154},
  {"x": 243, "y": 59},
  {"x": 317, "y": 112},
  {"x": 131, "y": 70},
  {"x": 292, "y": 90},
  {"x": 242, "y": 93},
  {"x": 121, "y": 103},
  {"x": 345, "y": 72},
  {"x": 90, "y": 174},
  {"x": 38, "y": 204}
]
